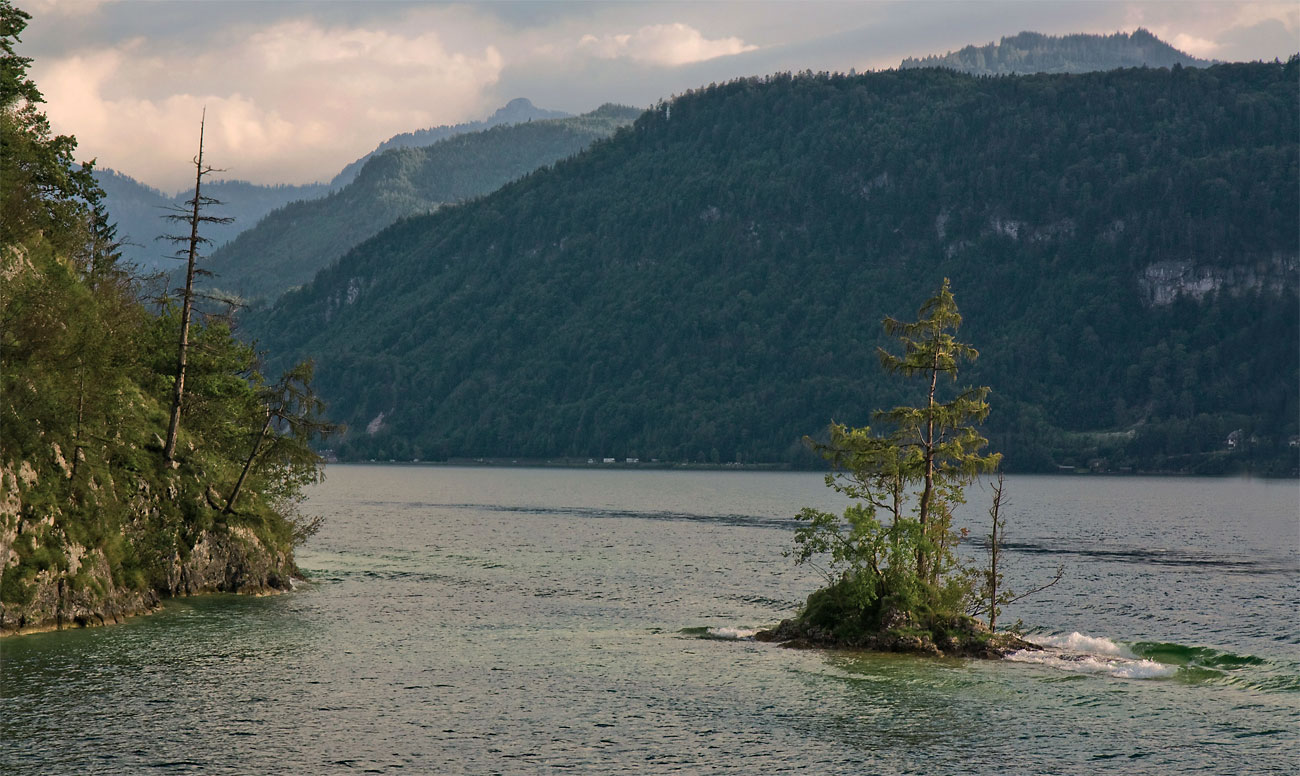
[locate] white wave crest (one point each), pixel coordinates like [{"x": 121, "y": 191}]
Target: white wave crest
[
  {"x": 1078, "y": 653},
  {"x": 731, "y": 633},
  {"x": 1077, "y": 642}
]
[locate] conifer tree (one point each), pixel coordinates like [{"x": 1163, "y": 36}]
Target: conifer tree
[
  {"x": 912, "y": 467},
  {"x": 939, "y": 441}
]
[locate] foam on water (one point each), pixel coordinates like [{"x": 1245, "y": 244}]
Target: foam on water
[
  {"x": 1077, "y": 642},
  {"x": 730, "y": 634},
  {"x": 1078, "y": 653}
]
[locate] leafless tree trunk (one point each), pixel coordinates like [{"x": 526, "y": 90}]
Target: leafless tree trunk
[
  {"x": 995, "y": 549},
  {"x": 193, "y": 217},
  {"x": 248, "y": 464}
]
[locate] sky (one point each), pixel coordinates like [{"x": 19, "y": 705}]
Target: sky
[{"x": 295, "y": 90}]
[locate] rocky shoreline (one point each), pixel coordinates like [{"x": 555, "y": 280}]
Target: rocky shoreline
[
  {"x": 969, "y": 638},
  {"x": 224, "y": 560},
  {"x": 72, "y": 585}
]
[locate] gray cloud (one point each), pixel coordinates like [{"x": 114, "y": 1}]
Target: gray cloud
[{"x": 295, "y": 90}]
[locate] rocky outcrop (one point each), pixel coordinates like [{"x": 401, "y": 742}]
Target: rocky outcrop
[
  {"x": 963, "y": 637},
  {"x": 66, "y": 584},
  {"x": 233, "y": 560},
  {"x": 224, "y": 560},
  {"x": 75, "y": 600}
]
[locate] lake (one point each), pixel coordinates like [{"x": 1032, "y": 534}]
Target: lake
[{"x": 518, "y": 621}]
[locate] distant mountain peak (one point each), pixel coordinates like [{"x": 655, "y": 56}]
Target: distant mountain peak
[
  {"x": 518, "y": 103},
  {"x": 522, "y": 109},
  {"x": 517, "y": 111},
  {"x": 1035, "y": 52}
]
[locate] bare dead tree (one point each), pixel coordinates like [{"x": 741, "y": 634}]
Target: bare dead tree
[
  {"x": 192, "y": 215},
  {"x": 991, "y": 594},
  {"x": 994, "y": 579}
]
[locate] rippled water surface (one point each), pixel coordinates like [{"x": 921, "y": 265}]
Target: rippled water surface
[{"x": 526, "y": 621}]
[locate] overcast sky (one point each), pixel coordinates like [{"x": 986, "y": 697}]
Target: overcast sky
[{"x": 295, "y": 90}]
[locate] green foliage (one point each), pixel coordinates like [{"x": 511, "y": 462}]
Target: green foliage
[
  {"x": 700, "y": 282},
  {"x": 42, "y": 190},
  {"x": 86, "y": 375},
  {"x": 915, "y": 471}
]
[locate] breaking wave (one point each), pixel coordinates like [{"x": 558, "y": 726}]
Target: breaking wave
[
  {"x": 1078, "y": 653},
  {"x": 1083, "y": 654}
]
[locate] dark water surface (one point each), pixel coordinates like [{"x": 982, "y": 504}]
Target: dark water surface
[{"x": 527, "y": 621}]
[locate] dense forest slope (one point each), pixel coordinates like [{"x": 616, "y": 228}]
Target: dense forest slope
[
  {"x": 1033, "y": 52},
  {"x": 291, "y": 244},
  {"x": 709, "y": 284},
  {"x": 96, "y": 523},
  {"x": 138, "y": 209}
]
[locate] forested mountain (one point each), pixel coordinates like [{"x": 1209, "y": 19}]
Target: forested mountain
[
  {"x": 1033, "y": 52},
  {"x": 518, "y": 111},
  {"x": 709, "y": 284},
  {"x": 138, "y": 209},
  {"x": 291, "y": 244}
]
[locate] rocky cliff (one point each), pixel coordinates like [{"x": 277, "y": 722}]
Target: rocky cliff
[{"x": 57, "y": 575}]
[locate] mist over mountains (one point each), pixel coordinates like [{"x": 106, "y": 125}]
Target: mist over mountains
[
  {"x": 138, "y": 209},
  {"x": 518, "y": 111},
  {"x": 292, "y": 243}
]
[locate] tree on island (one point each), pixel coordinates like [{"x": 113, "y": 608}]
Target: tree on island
[{"x": 897, "y": 583}]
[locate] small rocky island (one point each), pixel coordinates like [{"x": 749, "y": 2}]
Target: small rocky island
[
  {"x": 959, "y": 637},
  {"x": 894, "y": 581}
]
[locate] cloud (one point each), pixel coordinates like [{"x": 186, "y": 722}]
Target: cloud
[
  {"x": 661, "y": 44},
  {"x": 1285, "y": 14},
  {"x": 62, "y": 7},
  {"x": 296, "y": 90},
  {"x": 1230, "y": 32},
  {"x": 284, "y": 104},
  {"x": 1197, "y": 47}
]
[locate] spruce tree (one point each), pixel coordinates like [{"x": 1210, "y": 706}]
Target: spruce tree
[{"x": 913, "y": 467}]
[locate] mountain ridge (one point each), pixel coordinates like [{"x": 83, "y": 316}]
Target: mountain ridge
[
  {"x": 709, "y": 283},
  {"x": 1033, "y": 52},
  {"x": 290, "y": 244},
  {"x": 137, "y": 208}
]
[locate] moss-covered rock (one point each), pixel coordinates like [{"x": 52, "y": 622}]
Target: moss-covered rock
[{"x": 953, "y": 637}]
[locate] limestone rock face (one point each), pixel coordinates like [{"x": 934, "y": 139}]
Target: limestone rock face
[
  {"x": 75, "y": 586},
  {"x": 231, "y": 561}
]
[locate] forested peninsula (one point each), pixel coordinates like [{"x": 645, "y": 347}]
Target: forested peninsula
[
  {"x": 102, "y": 510},
  {"x": 706, "y": 285}
]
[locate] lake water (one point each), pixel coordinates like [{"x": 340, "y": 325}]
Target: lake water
[{"x": 524, "y": 621}]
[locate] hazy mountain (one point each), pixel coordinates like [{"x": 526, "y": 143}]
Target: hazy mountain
[
  {"x": 518, "y": 111},
  {"x": 710, "y": 283},
  {"x": 138, "y": 209},
  {"x": 1032, "y": 52},
  {"x": 291, "y": 244}
]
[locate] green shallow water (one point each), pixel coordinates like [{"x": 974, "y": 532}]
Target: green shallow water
[{"x": 533, "y": 621}]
